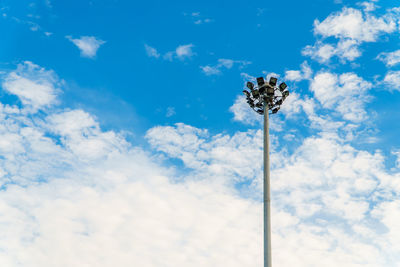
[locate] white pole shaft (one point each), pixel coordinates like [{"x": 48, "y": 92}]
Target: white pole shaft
[{"x": 267, "y": 193}]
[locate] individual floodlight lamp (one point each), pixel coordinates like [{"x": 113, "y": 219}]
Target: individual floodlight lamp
[
  {"x": 272, "y": 81},
  {"x": 282, "y": 87},
  {"x": 285, "y": 94},
  {"x": 250, "y": 85},
  {"x": 260, "y": 81},
  {"x": 246, "y": 93},
  {"x": 275, "y": 110},
  {"x": 262, "y": 99}
]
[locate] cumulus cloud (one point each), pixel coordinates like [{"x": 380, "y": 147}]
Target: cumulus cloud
[
  {"x": 351, "y": 27},
  {"x": 75, "y": 195},
  {"x": 345, "y": 93},
  {"x": 88, "y": 45},
  {"x": 35, "y": 87},
  {"x": 390, "y": 59},
  {"x": 347, "y": 50},
  {"x": 223, "y": 63},
  {"x": 298, "y": 75},
  {"x": 392, "y": 80},
  {"x": 351, "y": 23}
]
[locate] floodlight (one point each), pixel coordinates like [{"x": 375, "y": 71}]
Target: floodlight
[
  {"x": 250, "y": 85},
  {"x": 275, "y": 110},
  {"x": 282, "y": 87},
  {"x": 279, "y": 102},
  {"x": 260, "y": 81},
  {"x": 250, "y": 102},
  {"x": 261, "y": 90},
  {"x": 246, "y": 93},
  {"x": 260, "y": 111},
  {"x": 259, "y": 105},
  {"x": 272, "y": 81},
  {"x": 285, "y": 94}
]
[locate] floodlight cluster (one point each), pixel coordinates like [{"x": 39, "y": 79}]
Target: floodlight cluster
[{"x": 266, "y": 92}]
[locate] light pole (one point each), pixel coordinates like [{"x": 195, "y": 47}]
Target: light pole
[{"x": 262, "y": 98}]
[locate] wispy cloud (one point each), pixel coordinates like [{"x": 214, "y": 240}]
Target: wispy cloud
[
  {"x": 182, "y": 52},
  {"x": 197, "y": 18},
  {"x": 151, "y": 51},
  {"x": 390, "y": 59},
  {"x": 223, "y": 63},
  {"x": 88, "y": 45},
  {"x": 170, "y": 112}
]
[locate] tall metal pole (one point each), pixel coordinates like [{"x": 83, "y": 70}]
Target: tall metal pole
[
  {"x": 262, "y": 98},
  {"x": 267, "y": 193}
]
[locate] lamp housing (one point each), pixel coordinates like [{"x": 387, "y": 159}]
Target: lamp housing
[
  {"x": 260, "y": 81},
  {"x": 250, "y": 85},
  {"x": 272, "y": 81},
  {"x": 282, "y": 87}
]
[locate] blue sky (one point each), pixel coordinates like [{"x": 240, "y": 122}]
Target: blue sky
[{"x": 124, "y": 133}]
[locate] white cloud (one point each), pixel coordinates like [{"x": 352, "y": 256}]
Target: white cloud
[
  {"x": 368, "y": 6},
  {"x": 184, "y": 51},
  {"x": 296, "y": 75},
  {"x": 351, "y": 23},
  {"x": 210, "y": 70},
  {"x": 151, "y": 51},
  {"x": 76, "y": 195},
  {"x": 347, "y": 94},
  {"x": 347, "y": 50},
  {"x": 88, "y": 45},
  {"x": 223, "y": 63},
  {"x": 392, "y": 79},
  {"x": 351, "y": 27},
  {"x": 390, "y": 59},
  {"x": 36, "y": 87}
]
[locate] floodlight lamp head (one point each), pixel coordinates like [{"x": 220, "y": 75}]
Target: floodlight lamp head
[
  {"x": 260, "y": 111},
  {"x": 250, "y": 85},
  {"x": 260, "y": 81},
  {"x": 261, "y": 90},
  {"x": 279, "y": 102},
  {"x": 246, "y": 93},
  {"x": 275, "y": 110},
  {"x": 272, "y": 81},
  {"x": 282, "y": 87},
  {"x": 285, "y": 94}
]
